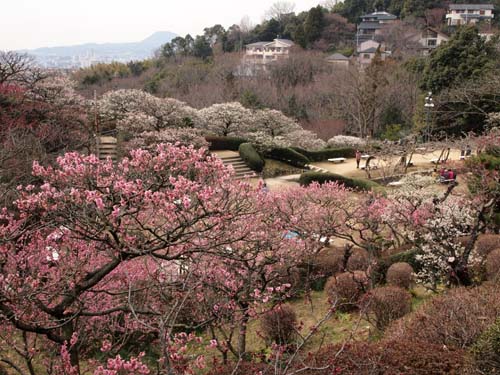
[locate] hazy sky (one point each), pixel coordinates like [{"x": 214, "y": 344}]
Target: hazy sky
[{"x": 41, "y": 23}]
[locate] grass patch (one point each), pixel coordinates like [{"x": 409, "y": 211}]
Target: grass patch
[{"x": 276, "y": 168}]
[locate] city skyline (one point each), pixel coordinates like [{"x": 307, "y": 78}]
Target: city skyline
[{"x": 36, "y": 24}]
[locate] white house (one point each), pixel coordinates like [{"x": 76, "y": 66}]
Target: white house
[
  {"x": 459, "y": 14},
  {"x": 369, "y": 49},
  {"x": 268, "y": 51}
]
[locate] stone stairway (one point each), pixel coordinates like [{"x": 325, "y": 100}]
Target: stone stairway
[
  {"x": 241, "y": 170},
  {"x": 316, "y": 169},
  {"x": 106, "y": 147}
]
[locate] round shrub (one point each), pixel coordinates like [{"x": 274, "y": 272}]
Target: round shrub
[
  {"x": 400, "y": 274},
  {"x": 385, "y": 304},
  {"x": 358, "y": 261},
  {"x": 330, "y": 262},
  {"x": 308, "y": 178},
  {"x": 455, "y": 319},
  {"x": 346, "y": 289},
  {"x": 407, "y": 356},
  {"x": 493, "y": 265},
  {"x": 486, "y": 243},
  {"x": 278, "y": 325},
  {"x": 486, "y": 350}
]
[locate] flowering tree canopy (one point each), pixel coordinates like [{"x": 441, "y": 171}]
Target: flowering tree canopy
[{"x": 227, "y": 119}]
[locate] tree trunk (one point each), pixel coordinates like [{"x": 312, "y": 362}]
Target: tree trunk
[
  {"x": 460, "y": 275},
  {"x": 242, "y": 337},
  {"x": 73, "y": 350}
]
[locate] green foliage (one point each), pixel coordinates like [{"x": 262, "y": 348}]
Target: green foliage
[
  {"x": 392, "y": 132},
  {"x": 250, "y": 99},
  {"x": 102, "y": 73},
  {"x": 328, "y": 153},
  {"x": 357, "y": 183},
  {"x": 486, "y": 350},
  {"x": 201, "y": 48},
  {"x": 466, "y": 56},
  {"x": 314, "y": 25},
  {"x": 354, "y": 9},
  {"x": 251, "y": 157},
  {"x": 225, "y": 143},
  {"x": 276, "y": 168},
  {"x": 289, "y": 156}
]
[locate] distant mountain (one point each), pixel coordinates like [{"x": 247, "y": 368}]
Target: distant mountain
[{"x": 87, "y": 54}]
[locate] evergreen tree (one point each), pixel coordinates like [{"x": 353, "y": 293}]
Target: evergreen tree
[
  {"x": 466, "y": 56},
  {"x": 314, "y": 24}
]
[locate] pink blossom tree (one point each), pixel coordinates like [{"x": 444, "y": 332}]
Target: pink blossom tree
[{"x": 78, "y": 251}]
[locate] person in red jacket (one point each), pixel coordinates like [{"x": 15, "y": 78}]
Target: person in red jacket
[{"x": 358, "y": 158}]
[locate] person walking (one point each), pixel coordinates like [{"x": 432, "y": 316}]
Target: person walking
[{"x": 358, "y": 158}]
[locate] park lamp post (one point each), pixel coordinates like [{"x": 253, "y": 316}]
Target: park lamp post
[{"x": 428, "y": 106}]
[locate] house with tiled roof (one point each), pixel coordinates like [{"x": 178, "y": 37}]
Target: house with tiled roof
[
  {"x": 268, "y": 51},
  {"x": 338, "y": 60},
  {"x": 371, "y": 25}
]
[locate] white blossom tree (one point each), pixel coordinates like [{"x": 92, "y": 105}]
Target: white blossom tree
[
  {"x": 137, "y": 111},
  {"x": 226, "y": 119},
  {"x": 272, "y": 128},
  {"x": 346, "y": 140}
]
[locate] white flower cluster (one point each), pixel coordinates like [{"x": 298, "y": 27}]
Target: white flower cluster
[
  {"x": 142, "y": 114},
  {"x": 439, "y": 240},
  {"x": 493, "y": 120},
  {"x": 417, "y": 181},
  {"x": 346, "y": 141}
]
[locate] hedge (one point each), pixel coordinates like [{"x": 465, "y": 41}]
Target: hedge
[
  {"x": 251, "y": 157},
  {"x": 224, "y": 143},
  {"x": 327, "y": 153},
  {"x": 410, "y": 256},
  {"x": 309, "y": 177},
  {"x": 289, "y": 156}
]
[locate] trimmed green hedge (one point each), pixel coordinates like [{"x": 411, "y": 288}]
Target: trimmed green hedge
[
  {"x": 383, "y": 264},
  {"x": 289, "y": 156},
  {"x": 327, "y": 153},
  {"x": 224, "y": 143},
  {"x": 308, "y": 177},
  {"x": 250, "y": 155}
]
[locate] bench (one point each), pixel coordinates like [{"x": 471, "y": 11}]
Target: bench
[
  {"x": 395, "y": 183},
  {"x": 337, "y": 160},
  {"x": 365, "y": 156},
  {"x": 449, "y": 181},
  {"x": 437, "y": 161},
  {"x": 463, "y": 157}
]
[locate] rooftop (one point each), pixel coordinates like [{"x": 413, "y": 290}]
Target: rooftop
[
  {"x": 286, "y": 42},
  {"x": 337, "y": 56},
  {"x": 472, "y": 6},
  {"x": 380, "y": 16}
]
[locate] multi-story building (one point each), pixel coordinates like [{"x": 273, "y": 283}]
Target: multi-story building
[
  {"x": 372, "y": 24},
  {"x": 264, "y": 52},
  {"x": 460, "y": 14}
]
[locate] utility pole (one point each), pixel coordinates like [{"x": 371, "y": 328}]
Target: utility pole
[{"x": 428, "y": 106}]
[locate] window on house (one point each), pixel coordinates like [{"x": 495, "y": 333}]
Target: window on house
[
  {"x": 431, "y": 43},
  {"x": 470, "y": 11},
  {"x": 366, "y": 56},
  {"x": 482, "y": 12}
]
